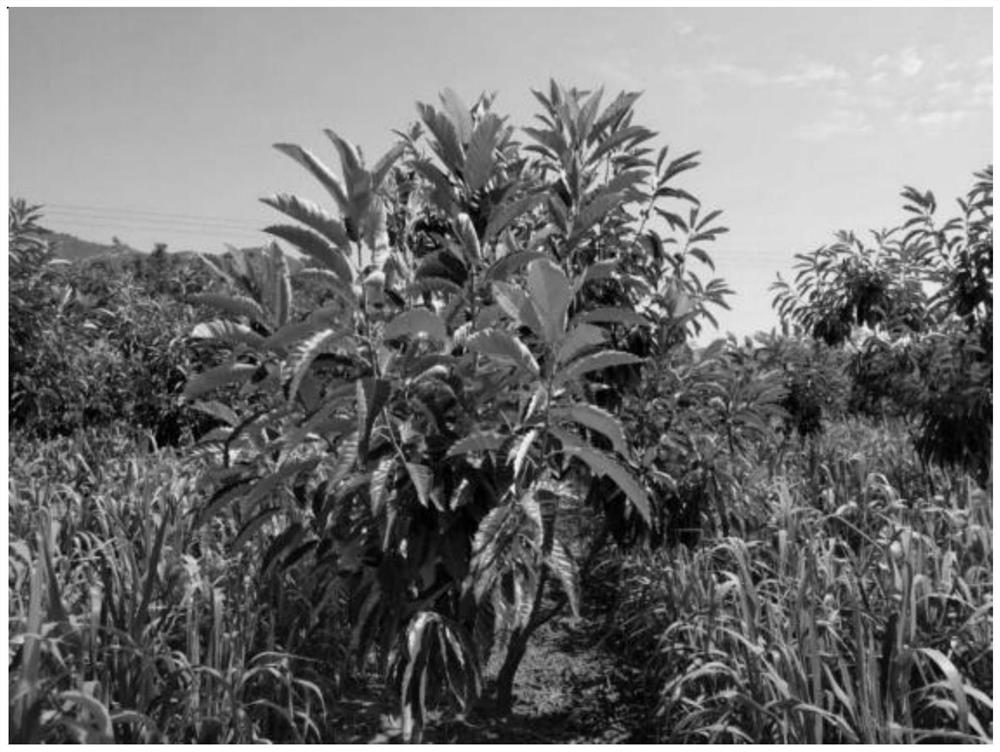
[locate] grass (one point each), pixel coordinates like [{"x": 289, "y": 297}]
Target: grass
[
  {"x": 854, "y": 605},
  {"x": 128, "y": 622},
  {"x": 853, "y": 615}
]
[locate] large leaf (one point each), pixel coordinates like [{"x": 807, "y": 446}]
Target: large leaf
[
  {"x": 470, "y": 241},
  {"x": 385, "y": 164},
  {"x": 551, "y": 296},
  {"x": 422, "y": 479},
  {"x": 504, "y": 267},
  {"x": 459, "y": 114},
  {"x": 333, "y": 281},
  {"x": 479, "y": 163},
  {"x": 613, "y": 316},
  {"x": 316, "y": 247},
  {"x": 282, "y": 286},
  {"x": 372, "y": 396},
  {"x": 502, "y": 216},
  {"x": 505, "y": 348},
  {"x": 303, "y": 354},
  {"x": 417, "y": 321},
  {"x": 311, "y": 215},
  {"x": 218, "y": 377},
  {"x": 319, "y": 171},
  {"x": 218, "y": 411},
  {"x": 514, "y": 302},
  {"x": 234, "y": 305},
  {"x": 581, "y": 337},
  {"x": 376, "y": 232},
  {"x": 600, "y": 464},
  {"x": 598, "y": 420},
  {"x": 446, "y": 143},
  {"x": 480, "y": 441},
  {"x": 561, "y": 562},
  {"x": 227, "y": 331},
  {"x": 596, "y": 362}
]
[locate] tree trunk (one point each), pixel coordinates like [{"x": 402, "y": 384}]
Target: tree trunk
[{"x": 505, "y": 679}]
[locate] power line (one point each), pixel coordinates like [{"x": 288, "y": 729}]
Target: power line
[
  {"x": 146, "y": 212},
  {"x": 155, "y": 223},
  {"x": 117, "y": 227}
]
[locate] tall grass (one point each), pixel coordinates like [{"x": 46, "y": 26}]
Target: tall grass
[
  {"x": 129, "y": 622},
  {"x": 850, "y": 614}
]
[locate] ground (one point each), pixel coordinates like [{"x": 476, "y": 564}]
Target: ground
[{"x": 570, "y": 689}]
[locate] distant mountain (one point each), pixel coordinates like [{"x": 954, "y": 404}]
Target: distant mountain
[{"x": 72, "y": 248}]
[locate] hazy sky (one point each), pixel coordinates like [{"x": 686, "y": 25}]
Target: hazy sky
[{"x": 156, "y": 125}]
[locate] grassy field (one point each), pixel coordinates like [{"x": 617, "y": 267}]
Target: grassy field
[{"x": 860, "y": 614}]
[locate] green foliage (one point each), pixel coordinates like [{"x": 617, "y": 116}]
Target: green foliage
[
  {"x": 431, "y": 416},
  {"x": 128, "y": 622},
  {"x": 91, "y": 346},
  {"x": 924, "y": 297},
  {"x": 860, "y": 617}
]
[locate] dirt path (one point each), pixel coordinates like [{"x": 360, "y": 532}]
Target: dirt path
[{"x": 569, "y": 690}]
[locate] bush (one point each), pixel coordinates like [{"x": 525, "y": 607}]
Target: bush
[{"x": 88, "y": 348}]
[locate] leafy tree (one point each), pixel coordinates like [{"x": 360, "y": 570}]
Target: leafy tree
[
  {"x": 412, "y": 444},
  {"x": 916, "y": 308}
]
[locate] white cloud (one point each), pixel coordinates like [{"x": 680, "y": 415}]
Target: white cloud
[
  {"x": 880, "y": 62},
  {"x": 683, "y": 28},
  {"x": 933, "y": 118},
  {"x": 910, "y": 62},
  {"x": 840, "y": 121},
  {"x": 813, "y": 73},
  {"x": 804, "y": 74}
]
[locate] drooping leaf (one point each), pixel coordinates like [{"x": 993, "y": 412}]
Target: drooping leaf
[
  {"x": 311, "y": 215},
  {"x": 551, "y": 295},
  {"x": 505, "y": 348},
  {"x": 316, "y": 247},
  {"x": 319, "y": 171},
  {"x": 302, "y": 355},
  {"x": 596, "y": 362},
  {"x": 417, "y": 321},
  {"x": 599, "y": 420},
  {"x": 218, "y": 377},
  {"x": 601, "y": 464},
  {"x": 579, "y": 338}
]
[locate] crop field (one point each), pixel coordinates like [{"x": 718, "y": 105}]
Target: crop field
[{"x": 447, "y": 462}]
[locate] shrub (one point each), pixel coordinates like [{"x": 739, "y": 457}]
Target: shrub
[{"x": 416, "y": 440}]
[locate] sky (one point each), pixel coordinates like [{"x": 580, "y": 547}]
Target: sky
[{"x": 156, "y": 125}]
